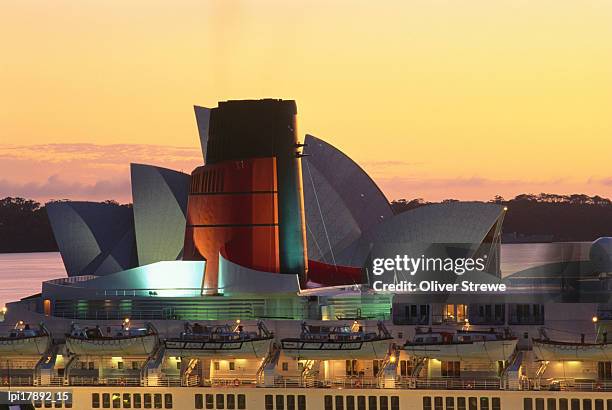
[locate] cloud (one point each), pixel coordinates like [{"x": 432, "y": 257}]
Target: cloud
[
  {"x": 57, "y": 188},
  {"x": 479, "y": 188},
  {"x": 475, "y": 181},
  {"x": 99, "y": 172},
  {"x": 606, "y": 181},
  {"x": 388, "y": 164},
  {"x": 102, "y": 155},
  {"x": 83, "y": 171}
]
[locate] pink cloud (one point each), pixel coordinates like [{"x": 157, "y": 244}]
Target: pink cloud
[
  {"x": 479, "y": 188},
  {"x": 83, "y": 171},
  {"x": 606, "y": 181},
  {"x": 55, "y": 187},
  {"x": 99, "y": 172}
]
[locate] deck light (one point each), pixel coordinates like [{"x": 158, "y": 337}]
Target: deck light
[{"x": 595, "y": 319}]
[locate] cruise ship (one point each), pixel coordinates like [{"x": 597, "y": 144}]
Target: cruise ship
[{"x": 249, "y": 284}]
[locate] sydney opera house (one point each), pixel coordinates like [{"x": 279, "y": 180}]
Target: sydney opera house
[{"x": 268, "y": 226}]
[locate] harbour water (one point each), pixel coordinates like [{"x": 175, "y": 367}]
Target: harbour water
[{"x": 21, "y": 274}]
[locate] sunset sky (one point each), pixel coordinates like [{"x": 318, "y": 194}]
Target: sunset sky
[{"x": 435, "y": 99}]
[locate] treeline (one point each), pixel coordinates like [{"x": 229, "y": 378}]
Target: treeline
[
  {"x": 545, "y": 217},
  {"x": 25, "y": 227}
]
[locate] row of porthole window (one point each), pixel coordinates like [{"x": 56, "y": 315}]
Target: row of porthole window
[
  {"x": 285, "y": 402},
  {"x": 129, "y": 400},
  {"x": 49, "y": 404},
  {"x": 220, "y": 401},
  {"x": 361, "y": 402},
  {"x": 566, "y": 404},
  {"x": 461, "y": 403}
]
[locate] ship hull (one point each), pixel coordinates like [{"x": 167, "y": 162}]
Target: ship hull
[
  {"x": 555, "y": 351},
  {"x": 135, "y": 346},
  {"x": 36, "y": 345},
  {"x": 234, "y": 349},
  {"x": 489, "y": 351},
  {"x": 335, "y": 350},
  {"x": 304, "y": 398}
]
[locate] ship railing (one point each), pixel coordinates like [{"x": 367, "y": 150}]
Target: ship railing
[
  {"x": 122, "y": 381},
  {"x": 16, "y": 364},
  {"x": 571, "y": 384},
  {"x": 355, "y": 382},
  {"x": 71, "y": 280},
  {"x": 293, "y": 382},
  {"x": 452, "y": 383},
  {"x": 237, "y": 382},
  {"x": 594, "y": 385},
  {"x": 104, "y": 381},
  {"x": 447, "y": 320},
  {"x": 309, "y": 382},
  {"x": 525, "y": 383},
  {"x": 165, "y": 381},
  {"x": 55, "y": 381},
  {"x": 338, "y": 382},
  {"x": 16, "y": 381},
  {"x": 191, "y": 381},
  {"x": 152, "y": 292}
]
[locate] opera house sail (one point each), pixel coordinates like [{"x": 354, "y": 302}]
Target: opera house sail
[
  {"x": 160, "y": 207},
  {"x": 279, "y": 263}
]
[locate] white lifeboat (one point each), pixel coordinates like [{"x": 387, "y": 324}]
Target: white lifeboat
[
  {"x": 24, "y": 341},
  {"x": 124, "y": 342},
  {"x": 484, "y": 346},
  {"x": 337, "y": 343},
  {"x": 552, "y": 350},
  {"x": 222, "y": 341}
]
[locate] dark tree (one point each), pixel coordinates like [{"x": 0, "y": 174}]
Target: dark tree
[
  {"x": 401, "y": 205},
  {"x": 576, "y": 217},
  {"x": 24, "y": 227}
]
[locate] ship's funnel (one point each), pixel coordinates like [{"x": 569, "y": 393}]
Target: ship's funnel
[{"x": 247, "y": 201}]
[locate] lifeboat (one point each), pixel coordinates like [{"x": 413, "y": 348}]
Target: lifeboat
[
  {"x": 220, "y": 341},
  {"x": 125, "y": 341},
  {"x": 338, "y": 342},
  {"x": 23, "y": 341},
  {"x": 488, "y": 346},
  {"x": 552, "y": 350}
]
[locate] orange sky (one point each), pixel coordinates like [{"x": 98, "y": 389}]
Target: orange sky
[{"x": 435, "y": 99}]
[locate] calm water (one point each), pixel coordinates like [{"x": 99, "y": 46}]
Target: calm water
[{"x": 21, "y": 274}]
